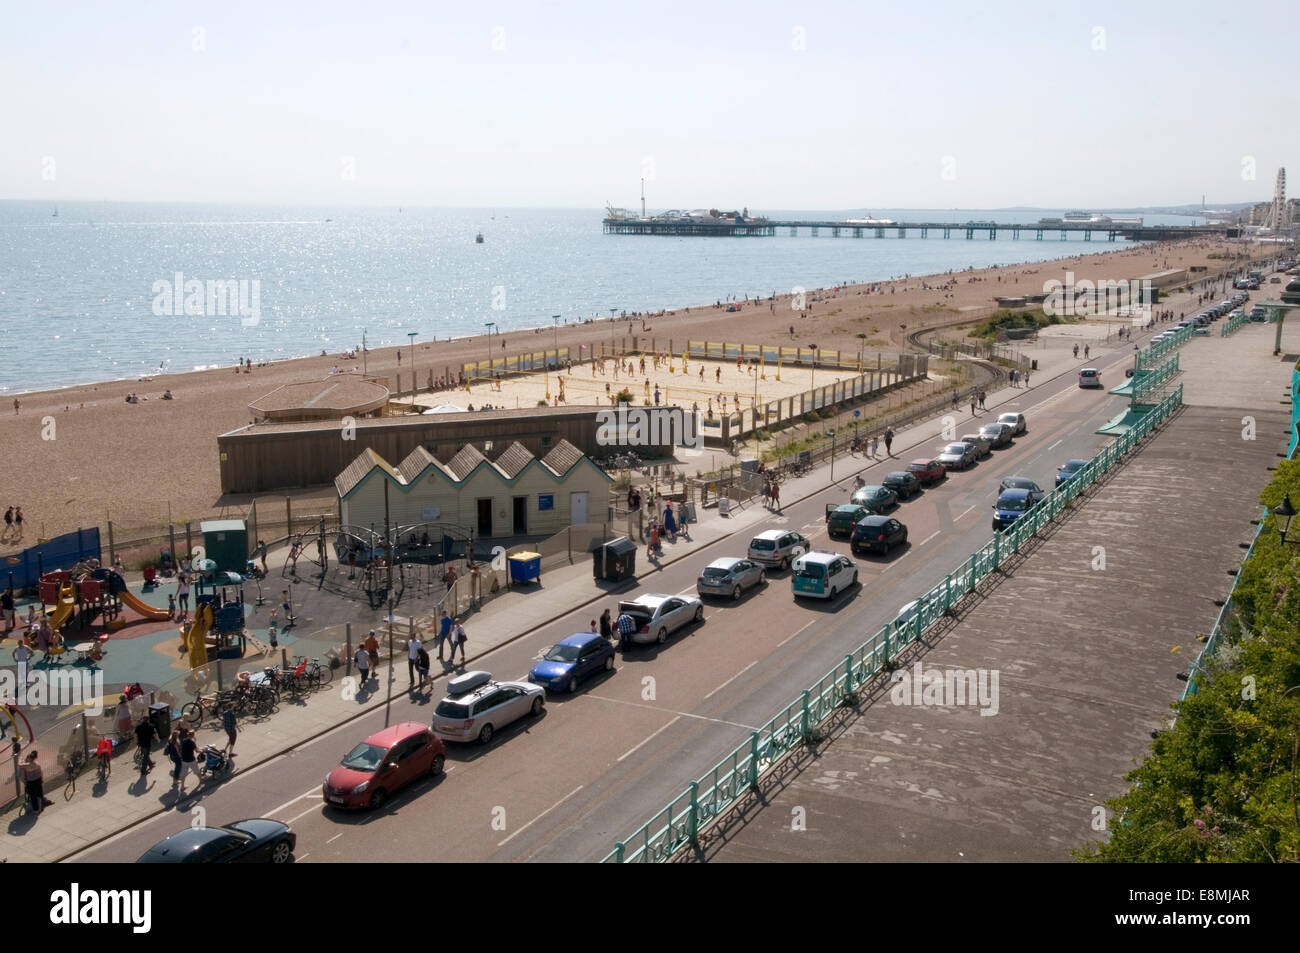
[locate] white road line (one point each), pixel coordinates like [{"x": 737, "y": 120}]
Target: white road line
[
  {"x": 963, "y": 512},
  {"x": 335, "y": 837},
  {"x": 793, "y": 634},
  {"x": 541, "y": 815},
  {"x": 314, "y": 807},
  {"x": 277, "y": 810},
  {"x": 682, "y": 714},
  {"x": 928, "y": 538},
  {"x": 732, "y": 679},
  {"x": 676, "y": 718},
  {"x": 299, "y": 860},
  {"x": 1057, "y": 444}
]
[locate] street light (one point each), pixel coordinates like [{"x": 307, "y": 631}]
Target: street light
[
  {"x": 556, "y": 319},
  {"x": 1282, "y": 514},
  {"x": 489, "y": 325}
]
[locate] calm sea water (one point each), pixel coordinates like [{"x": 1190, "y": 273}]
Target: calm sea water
[{"x": 77, "y": 300}]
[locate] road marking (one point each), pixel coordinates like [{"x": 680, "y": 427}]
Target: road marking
[
  {"x": 681, "y": 714},
  {"x": 542, "y": 815},
  {"x": 277, "y": 810},
  {"x": 314, "y": 807},
  {"x": 299, "y": 860},
  {"x": 964, "y": 512},
  {"x": 928, "y": 538},
  {"x": 676, "y": 718},
  {"x": 335, "y": 837},
  {"x": 793, "y": 634},
  {"x": 732, "y": 679},
  {"x": 1057, "y": 444}
]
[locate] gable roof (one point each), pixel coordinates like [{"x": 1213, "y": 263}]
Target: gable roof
[
  {"x": 463, "y": 463},
  {"x": 513, "y": 460},
  {"x": 563, "y": 457},
  {"x": 359, "y": 469}
]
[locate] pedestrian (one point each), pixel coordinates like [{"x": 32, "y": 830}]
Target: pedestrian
[
  {"x": 875, "y": 445},
  {"x": 1026, "y": 378},
  {"x": 18, "y": 521},
  {"x": 362, "y": 658},
  {"x": 653, "y": 546},
  {"x": 173, "y": 752},
  {"x": 261, "y": 551},
  {"x": 122, "y": 718},
  {"x": 606, "y": 626},
  {"x": 670, "y": 521},
  {"x": 889, "y": 441},
  {"x": 171, "y": 605},
  {"x": 22, "y": 655},
  {"x": 626, "y": 626},
  {"x": 972, "y": 405},
  {"x": 412, "y": 657},
  {"x": 767, "y": 491},
  {"x": 592, "y": 628},
  {"x": 422, "y": 665},
  {"x": 459, "y": 638},
  {"x": 231, "y": 726},
  {"x": 183, "y": 594},
  {"x": 1076, "y": 350},
  {"x": 189, "y": 761},
  {"x": 954, "y": 400},
  {"x": 1087, "y": 349},
  {"x": 776, "y": 497},
  {"x": 982, "y": 396},
  {"x": 293, "y": 558},
  {"x": 9, "y": 523},
  {"x": 444, "y": 630},
  {"x": 7, "y": 609},
  {"x": 34, "y": 777},
  {"x": 372, "y": 651},
  {"x": 144, "y": 736}
]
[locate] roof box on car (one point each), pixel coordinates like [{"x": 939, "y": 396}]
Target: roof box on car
[{"x": 470, "y": 681}]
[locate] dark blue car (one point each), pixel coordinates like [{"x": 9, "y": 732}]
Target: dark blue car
[
  {"x": 1069, "y": 469},
  {"x": 572, "y": 659}
]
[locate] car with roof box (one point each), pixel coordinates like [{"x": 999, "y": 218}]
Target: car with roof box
[{"x": 477, "y": 707}]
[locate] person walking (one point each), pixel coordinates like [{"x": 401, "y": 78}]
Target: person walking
[
  {"x": 230, "y": 725},
  {"x": 372, "y": 651},
  {"x": 972, "y": 405},
  {"x": 189, "y": 759},
  {"x": 776, "y": 497},
  {"x": 18, "y": 522},
  {"x": 422, "y": 666},
  {"x": 22, "y": 656},
  {"x": 183, "y": 595},
  {"x": 1087, "y": 350},
  {"x": 9, "y": 525},
  {"x": 261, "y": 551},
  {"x": 1026, "y": 378},
  {"x": 412, "y": 657},
  {"x": 875, "y": 446},
  {"x": 459, "y": 638},
  {"x": 7, "y": 609},
  {"x": 889, "y": 441},
  {"x": 173, "y": 752},
  {"x": 670, "y": 521},
  {"x": 606, "y": 626},
  {"x": 34, "y": 780},
  {"x": 982, "y": 396},
  {"x": 362, "y": 660},
  {"x": 144, "y": 736},
  {"x": 1076, "y": 350},
  {"x": 652, "y": 547},
  {"x": 444, "y": 632}
]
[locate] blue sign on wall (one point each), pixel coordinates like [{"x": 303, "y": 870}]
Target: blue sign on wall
[{"x": 546, "y": 502}]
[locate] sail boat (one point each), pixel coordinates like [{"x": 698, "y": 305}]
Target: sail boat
[
  {"x": 478, "y": 239},
  {"x": 56, "y": 212}
]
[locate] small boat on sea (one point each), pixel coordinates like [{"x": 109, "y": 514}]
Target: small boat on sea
[
  {"x": 56, "y": 212},
  {"x": 478, "y": 239}
]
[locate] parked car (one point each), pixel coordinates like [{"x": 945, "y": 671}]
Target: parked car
[
  {"x": 1012, "y": 505},
  {"x": 875, "y": 498},
  {"x": 998, "y": 435},
  {"x": 659, "y": 616},
  {"x": 1068, "y": 469},
  {"x": 1016, "y": 421},
  {"x": 257, "y": 839},
  {"x": 927, "y": 471},
  {"x": 729, "y": 576},
  {"x": 1275, "y": 280},
  {"x": 841, "y": 519},
  {"x": 1089, "y": 377},
  {"x": 777, "y": 548},
  {"x": 822, "y": 575},
  {"x": 1021, "y": 483},
  {"x": 979, "y": 442},
  {"x": 958, "y": 456},
  {"x": 903, "y": 482},
  {"x": 384, "y": 763},
  {"x": 476, "y": 707},
  {"x": 877, "y": 534},
  {"x": 570, "y": 660}
]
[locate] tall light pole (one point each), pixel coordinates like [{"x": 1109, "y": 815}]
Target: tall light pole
[
  {"x": 611, "y": 331},
  {"x": 556, "y": 319},
  {"x": 489, "y": 325},
  {"x": 363, "y": 354}
]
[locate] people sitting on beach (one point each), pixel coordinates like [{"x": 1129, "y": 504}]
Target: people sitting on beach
[{"x": 167, "y": 395}]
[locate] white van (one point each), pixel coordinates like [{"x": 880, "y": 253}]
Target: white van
[{"x": 1089, "y": 377}]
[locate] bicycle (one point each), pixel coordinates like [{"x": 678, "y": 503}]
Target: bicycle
[
  {"x": 73, "y": 767},
  {"x": 143, "y": 763}
]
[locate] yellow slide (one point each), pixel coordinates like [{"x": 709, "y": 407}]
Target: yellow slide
[
  {"x": 66, "y": 607},
  {"x": 142, "y": 608}
]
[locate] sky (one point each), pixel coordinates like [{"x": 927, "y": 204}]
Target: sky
[{"x": 798, "y": 105}]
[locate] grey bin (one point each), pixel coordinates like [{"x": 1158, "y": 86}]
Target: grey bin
[
  {"x": 686, "y": 513},
  {"x": 160, "y": 716},
  {"x": 614, "y": 560}
]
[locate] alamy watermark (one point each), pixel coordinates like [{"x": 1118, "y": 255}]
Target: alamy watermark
[
  {"x": 62, "y": 689},
  {"x": 648, "y": 427},
  {"x": 946, "y": 688},
  {"x": 1083, "y": 297},
  {"x": 211, "y": 298}
]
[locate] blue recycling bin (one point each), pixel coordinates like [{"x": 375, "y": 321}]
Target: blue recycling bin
[{"x": 525, "y": 567}]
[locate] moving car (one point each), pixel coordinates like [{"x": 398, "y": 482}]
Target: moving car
[
  {"x": 1012, "y": 505},
  {"x": 572, "y": 659},
  {"x": 877, "y": 534},
  {"x": 658, "y": 616},
  {"x": 841, "y": 519},
  {"x": 875, "y": 498},
  {"x": 1068, "y": 469},
  {"x": 728, "y": 576},
  {"x": 822, "y": 575},
  {"x": 958, "y": 456},
  {"x": 1021, "y": 483},
  {"x": 1016, "y": 421},
  {"x": 927, "y": 471},
  {"x": 476, "y": 707},
  {"x": 385, "y": 762},
  {"x": 775, "y": 548},
  {"x": 903, "y": 482},
  {"x": 979, "y": 442},
  {"x": 998, "y": 435},
  {"x": 1089, "y": 377},
  {"x": 254, "y": 840}
]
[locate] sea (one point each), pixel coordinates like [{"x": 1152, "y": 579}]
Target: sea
[{"x": 89, "y": 291}]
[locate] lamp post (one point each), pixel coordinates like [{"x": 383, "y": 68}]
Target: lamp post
[
  {"x": 556, "y": 319},
  {"x": 1282, "y": 515},
  {"x": 489, "y": 325},
  {"x": 363, "y": 354}
]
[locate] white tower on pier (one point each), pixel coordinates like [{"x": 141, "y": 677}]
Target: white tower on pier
[{"x": 1277, "y": 217}]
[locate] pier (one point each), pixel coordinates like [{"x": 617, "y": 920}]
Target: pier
[{"x": 1060, "y": 231}]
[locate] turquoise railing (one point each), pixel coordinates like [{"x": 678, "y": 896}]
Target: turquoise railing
[
  {"x": 708, "y": 797},
  {"x": 1155, "y": 352},
  {"x": 1233, "y": 323},
  {"x": 1149, "y": 380}
]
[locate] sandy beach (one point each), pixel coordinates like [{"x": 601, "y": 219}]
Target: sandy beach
[{"x": 80, "y": 456}]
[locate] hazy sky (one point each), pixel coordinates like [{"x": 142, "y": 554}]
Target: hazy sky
[{"x": 798, "y": 105}]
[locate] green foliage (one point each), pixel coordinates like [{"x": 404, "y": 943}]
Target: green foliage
[
  {"x": 1222, "y": 784},
  {"x": 1005, "y": 319},
  {"x": 624, "y": 396}
]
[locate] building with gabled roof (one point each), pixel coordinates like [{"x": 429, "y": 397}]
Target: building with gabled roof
[{"x": 514, "y": 494}]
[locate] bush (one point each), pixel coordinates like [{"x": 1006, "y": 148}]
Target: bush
[
  {"x": 624, "y": 396},
  {"x": 543, "y": 403}
]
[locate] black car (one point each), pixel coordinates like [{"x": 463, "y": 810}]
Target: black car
[
  {"x": 1022, "y": 483},
  {"x": 254, "y": 841},
  {"x": 905, "y": 484},
  {"x": 877, "y": 534}
]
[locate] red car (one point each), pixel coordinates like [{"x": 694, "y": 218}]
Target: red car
[
  {"x": 384, "y": 763},
  {"x": 927, "y": 471}
]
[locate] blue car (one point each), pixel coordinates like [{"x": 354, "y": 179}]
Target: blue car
[
  {"x": 571, "y": 660},
  {"x": 1069, "y": 469},
  {"x": 1012, "y": 505}
]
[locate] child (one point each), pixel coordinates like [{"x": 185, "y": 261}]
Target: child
[
  {"x": 274, "y": 627},
  {"x": 171, "y": 605}
]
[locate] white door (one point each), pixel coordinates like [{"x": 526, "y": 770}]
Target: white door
[{"x": 577, "y": 508}]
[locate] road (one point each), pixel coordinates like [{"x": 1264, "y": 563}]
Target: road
[{"x": 566, "y": 785}]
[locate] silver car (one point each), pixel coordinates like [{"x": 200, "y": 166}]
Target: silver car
[
  {"x": 729, "y": 576},
  {"x": 1016, "y": 421},
  {"x": 777, "y": 548},
  {"x": 658, "y": 616},
  {"x": 958, "y": 456},
  {"x": 476, "y": 707},
  {"x": 998, "y": 435},
  {"x": 979, "y": 442}
]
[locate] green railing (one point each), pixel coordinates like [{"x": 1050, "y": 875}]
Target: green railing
[
  {"x": 1146, "y": 381},
  {"x": 1155, "y": 352},
  {"x": 1233, "y": 323},
  {"x": 708, "y": 797}
]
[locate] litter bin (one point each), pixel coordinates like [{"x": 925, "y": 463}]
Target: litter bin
[
  {"x": 525, "y": 567},
  {"x": 614, "y": 560},
  {"x": 1033, "y": 365},
  {"x": 160, "y": 716}
]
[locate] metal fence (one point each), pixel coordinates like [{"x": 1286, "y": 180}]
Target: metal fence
[
  {"x": 710, "y": 796},
  {"x": 1233, "y": 323},
  {"x": 1153, "y": 353}
]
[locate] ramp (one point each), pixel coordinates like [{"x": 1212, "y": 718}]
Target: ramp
[{"x": 1123, "y": 423}]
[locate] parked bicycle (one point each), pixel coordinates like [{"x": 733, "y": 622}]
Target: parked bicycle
[{"x": 73, "y": 767}]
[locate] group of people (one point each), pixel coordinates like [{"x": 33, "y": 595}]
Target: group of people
[
  {"x": 661, "y": 523},
  {"x": 13, "y": 531}
]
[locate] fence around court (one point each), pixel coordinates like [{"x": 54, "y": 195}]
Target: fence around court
[{"x": 707, "y": 798}]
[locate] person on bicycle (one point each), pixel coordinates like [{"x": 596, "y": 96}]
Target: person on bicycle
[
  {"x": 144, "y": 736},
  {"x": 104, "y": 752}
]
